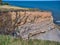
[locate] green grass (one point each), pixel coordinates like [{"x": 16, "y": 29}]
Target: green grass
[{"x": 9, "y": 40}]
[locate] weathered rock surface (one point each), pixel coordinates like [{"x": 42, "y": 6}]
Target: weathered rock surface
[{"x": 30, "y": 25}]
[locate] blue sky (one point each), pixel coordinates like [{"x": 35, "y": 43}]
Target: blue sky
[{"x": 31, "y": 0}]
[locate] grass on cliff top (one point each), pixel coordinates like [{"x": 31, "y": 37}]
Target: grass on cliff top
[
  {"x": 9, "y": 40},
  {"x": 9, "y": 7}
]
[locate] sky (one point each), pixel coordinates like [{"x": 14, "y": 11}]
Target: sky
[{"x": 31, "y": 0}]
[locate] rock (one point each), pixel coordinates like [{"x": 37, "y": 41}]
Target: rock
[{"x": 31, "y": 23}]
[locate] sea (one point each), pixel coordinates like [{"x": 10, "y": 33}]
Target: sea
[{"x": 53, "y": 6}]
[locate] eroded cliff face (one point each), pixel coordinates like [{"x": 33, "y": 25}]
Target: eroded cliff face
[
  {"x": 30, "y": 17},
  {"x": 10, "y": 20},
  {"x": 29, "y": 25},
  {"x": 13, "y": 21}
]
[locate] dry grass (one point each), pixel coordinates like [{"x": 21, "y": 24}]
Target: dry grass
[
  {"x": 9, "y": 40},
  {"x": 10, "y": 7}
]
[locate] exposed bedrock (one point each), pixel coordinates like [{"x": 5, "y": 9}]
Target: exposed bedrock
[{"x": 29, "y": 25}]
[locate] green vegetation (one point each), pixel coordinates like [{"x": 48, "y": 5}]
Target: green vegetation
[
  {"x": 5, "y": 3},
  {"x": 1, "y": 3},
  {"x": 34, "y": 9},
  {"x": 9, "y": 40}
]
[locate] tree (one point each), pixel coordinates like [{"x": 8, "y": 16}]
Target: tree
[
  {"x": 5, "y": 3},
  {"x": 0, "y": 2}
]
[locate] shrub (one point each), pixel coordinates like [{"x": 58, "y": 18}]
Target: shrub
[{"x": 5, "y": 4}]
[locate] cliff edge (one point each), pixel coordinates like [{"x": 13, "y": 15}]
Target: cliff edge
[{"x": 29, "y": 24}]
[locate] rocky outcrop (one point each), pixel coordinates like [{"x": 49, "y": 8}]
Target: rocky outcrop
[
  {"x": 10, "y": 20},
  {"x": 27, "y": 24}
]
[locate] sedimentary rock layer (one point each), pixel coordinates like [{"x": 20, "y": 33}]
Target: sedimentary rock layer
[{"x": 29, "y": 25}]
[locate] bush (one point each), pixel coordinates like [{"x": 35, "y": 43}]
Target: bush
[{"x": 5, "y": 4}]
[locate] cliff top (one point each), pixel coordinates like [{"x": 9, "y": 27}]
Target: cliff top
[
  {"x": 8, "y": 7},
  {"x": 14, "y": 7}
]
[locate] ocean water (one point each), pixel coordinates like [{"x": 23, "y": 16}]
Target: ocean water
[{"x": 53, "y": 6}]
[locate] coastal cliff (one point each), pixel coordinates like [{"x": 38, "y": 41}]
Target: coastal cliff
[
  {"x": 13, "y": 19},
  {"x": 27, "y": 23}
]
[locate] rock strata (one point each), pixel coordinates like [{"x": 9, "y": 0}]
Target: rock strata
[{"x": 29, "y": 25}]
